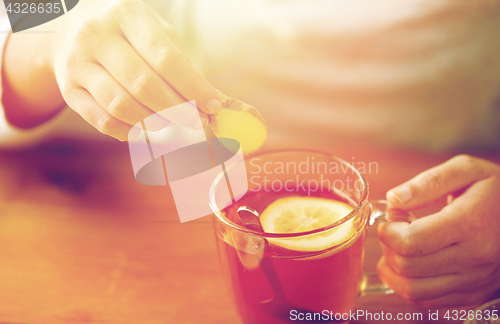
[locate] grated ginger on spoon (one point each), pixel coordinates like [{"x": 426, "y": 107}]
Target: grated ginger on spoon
[{"x": 239, "y": 121}]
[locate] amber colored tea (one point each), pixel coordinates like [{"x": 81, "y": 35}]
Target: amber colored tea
[{"x": 325, "y": 282}]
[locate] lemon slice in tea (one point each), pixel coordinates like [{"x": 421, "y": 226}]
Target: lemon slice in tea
[{"x": 303, "y": 214}]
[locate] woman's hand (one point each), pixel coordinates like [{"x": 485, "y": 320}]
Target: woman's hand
[
  {"x": 118, "y": 62},
  {"x": 452, "y": 257}
]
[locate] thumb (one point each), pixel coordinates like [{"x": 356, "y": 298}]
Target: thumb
[{"x": 437, "y": 182}]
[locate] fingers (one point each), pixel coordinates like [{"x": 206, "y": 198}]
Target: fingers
[
  {"x": 171, "y": 32},
  {"x": 82, "y": 102},
  {"x": 436, "y": 291},
  {"x": 465, "y": 300},
  {"x": 460, "y": 242},
  {"x": 439, "y": 181},
  {"x": 155, "y": 46},
  {"x": 417, "y": 289},
  {"x": 451, "y": 225},
  {"x": 443, "y": 262},
  {"x": 143, "y": 84},
  {"x": 132, "y": 64},
  {"x": 424, "y": 235},
  {"x": 450, "y": 257},
  {"x": 111, "y": 96}
]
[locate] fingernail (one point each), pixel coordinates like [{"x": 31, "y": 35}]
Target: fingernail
[
  {"x": 213, "y": 106},
  {"x": 401, "y": 194},
  {"x": 204, "y": 121},
  {"x": 134, "y": 133}
]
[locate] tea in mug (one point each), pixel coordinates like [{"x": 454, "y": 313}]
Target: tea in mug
[{"x": 319, "y": 273}]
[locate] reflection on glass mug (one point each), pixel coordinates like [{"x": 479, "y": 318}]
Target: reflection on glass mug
[{"x": 292, "y": 247}]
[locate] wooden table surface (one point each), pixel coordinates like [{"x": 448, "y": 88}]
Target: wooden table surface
[{"x": 82, "y": 242}]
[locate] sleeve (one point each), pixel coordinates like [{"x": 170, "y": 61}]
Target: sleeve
[{"x": 11, "y": 136}]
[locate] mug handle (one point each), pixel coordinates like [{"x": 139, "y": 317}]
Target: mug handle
[{"x": 370, "y": 282}]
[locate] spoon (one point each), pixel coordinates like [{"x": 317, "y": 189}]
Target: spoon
[{"x": 278, "y": 306}]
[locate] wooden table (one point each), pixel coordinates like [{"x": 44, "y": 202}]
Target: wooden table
[{"x": 82, "y": 242}]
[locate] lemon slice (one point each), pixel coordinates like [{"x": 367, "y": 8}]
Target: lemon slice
[{"x": 303, "y": 214}]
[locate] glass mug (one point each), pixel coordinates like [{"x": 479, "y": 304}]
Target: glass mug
[{"x": 281, "y": 278}]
